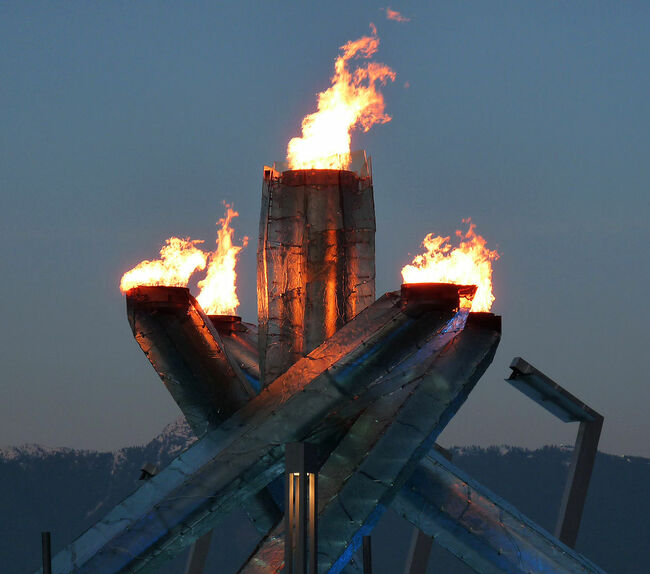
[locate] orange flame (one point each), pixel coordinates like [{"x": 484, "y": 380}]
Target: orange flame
[
  {"x": 396, "y": 16},
  {"x": 352, "y": 100},
  {"x": 218, "y": 294},
  {"x": 468, "y": 264},
  {"x": 179, "y": 258}
]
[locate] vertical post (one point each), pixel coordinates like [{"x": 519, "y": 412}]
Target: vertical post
[
  {"x": 47, "y": 552},
  {"x": 419, "y": 552},
  {"x": 577, "y": 483},
  {"x": 198, "y": 555},
  {"x": 367, "y": 555},
  {"x": 301, "y": 510}
]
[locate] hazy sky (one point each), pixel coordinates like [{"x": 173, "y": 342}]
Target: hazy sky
[{"x": 122, "y": 123}]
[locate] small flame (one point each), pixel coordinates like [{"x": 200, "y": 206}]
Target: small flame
[
  {"x": 179, "y": 258},
  {"x": 396, "y": 16},
  {"x": 468, "y": 264},
  {"x": 352, "y": 100},
  {"x": 218, "y": 294}
]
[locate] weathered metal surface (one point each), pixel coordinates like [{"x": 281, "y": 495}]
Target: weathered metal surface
[
  {"x": 188, "y": 353},
  {"x": 577, "y": 481},
  {"x": 245, "y": 453},
  {"x": 382, "y": 464},
  {"x": 568, "y": 408},
  {"x": 316, "y": 261},
  {"x": 480, "y": 528},
  {"x": 417, "y": 558},
  {"x": 385, "y": 401}
]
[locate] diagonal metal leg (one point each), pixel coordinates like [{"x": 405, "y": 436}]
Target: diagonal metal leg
[
  {"x": 198, "y": 555},
  {"x": 418, "y": 556},
  {"x": 577, "y": 483}
]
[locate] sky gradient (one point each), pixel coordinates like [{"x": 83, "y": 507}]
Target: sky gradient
[{"x": 125, "y": 123}]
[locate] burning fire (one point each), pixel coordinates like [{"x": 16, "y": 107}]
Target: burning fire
[
  {"x": 468, "y": 264},
  {"x": 218, "y": 294},
  {"x": 352, "y": 100},
  {"x": 180, "y": 258}
]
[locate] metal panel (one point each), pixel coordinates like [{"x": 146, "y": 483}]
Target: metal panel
[
  {"x": 560, "y": 402},
  {"x": 233, "y": 462},
  {"x": 189, "y": 355},
  {"x": 316, "y": 260},
  {"x": 480, "y": 528},
  {"x": 547, "y": 393},
  {"x": 375, "y": 450}
]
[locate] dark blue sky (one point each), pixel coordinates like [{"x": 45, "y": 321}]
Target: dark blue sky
[{"x": 122, "y": 123}]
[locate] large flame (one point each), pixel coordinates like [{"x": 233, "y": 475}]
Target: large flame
[
  {"x": 352, "y": 100},
  {"x": 179, "y": 258},
  {"x": 218, "y": 294},
  {"x": 468, "y": 264}
]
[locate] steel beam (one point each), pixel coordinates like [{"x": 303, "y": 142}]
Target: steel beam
[
  {"x": 189, "y": 354},
  {"x": 568, "y": 408},
  {"x": 478, "y": 527},
  {"x": 244, "y": 454},
  {"x": 382, "y": 446},
  {"x": 316, "y": 259}
]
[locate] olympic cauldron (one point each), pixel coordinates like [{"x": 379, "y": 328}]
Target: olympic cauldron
[{"x": 371, "y": 382}]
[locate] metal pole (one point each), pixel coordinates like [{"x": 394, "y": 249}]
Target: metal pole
[
  {"x": 47, "y": 552},
  {"x": 367, "y": 555},
  {"x": 198, "y": 555},
  {"x": 577, "y": 483},
  {"x": 418, "y": 556}
]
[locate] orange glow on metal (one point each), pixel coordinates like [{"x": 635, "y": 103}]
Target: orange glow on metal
[
  {"x": 468, "y": 264},
  {"x": 353, "y": 100}
]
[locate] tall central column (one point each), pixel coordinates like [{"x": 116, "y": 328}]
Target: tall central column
[{"x": 315, "y": 260}]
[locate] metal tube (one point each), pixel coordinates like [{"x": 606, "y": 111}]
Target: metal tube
[
  {"x": 46, "y": 551},
  {"x": 480, "y": 528},
  {"x": 577, "y": 482},
  {"x": 367, "y": 555},
  {"x": 316, "y": 260}
]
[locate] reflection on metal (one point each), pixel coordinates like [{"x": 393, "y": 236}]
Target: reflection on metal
[
  {"x": 382, "y": 449},
  {"x": 300, "y": 525},
  {"x": 316, "y": 263},
  {"x": 567, "y": 408},
  {"x": 201, "y": 486},
  {"x": 480, "y": 528},
  {"x": 370, "y": 383},
  {"x": 417, "y": 558},
  {"x": 404, "y": 411},
  {"x": 189, "y": 355}
]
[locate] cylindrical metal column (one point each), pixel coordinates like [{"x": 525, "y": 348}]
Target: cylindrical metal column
[
  {"x": 47, "y": 552},
  {"x": 316, "y": 260}
]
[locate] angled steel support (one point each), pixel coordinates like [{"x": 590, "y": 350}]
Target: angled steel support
[
  {"x": 245, "y": 453},
  {"x": 478, "y": 527},
  {"x": 411, "y": 404},
  {"x": 417, "y": 558},
  {"x": 300, "y": 522},
  {"x": 198, "y": 555},
  {"x": 558, "y": 401}
]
